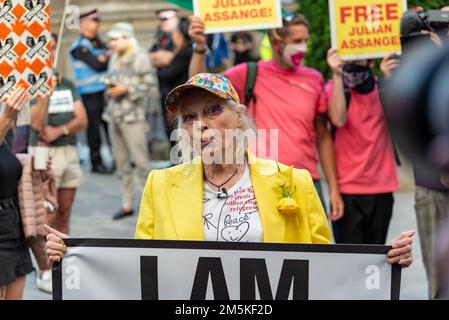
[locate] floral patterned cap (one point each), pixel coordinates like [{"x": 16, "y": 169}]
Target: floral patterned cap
[{"x": 214, "y": 83}]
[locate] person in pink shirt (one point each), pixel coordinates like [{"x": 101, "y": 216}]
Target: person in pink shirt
[
  {"x": 289, "y": 97},
  {"x": 366, "y": 165}
]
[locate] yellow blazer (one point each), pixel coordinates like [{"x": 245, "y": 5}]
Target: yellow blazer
[{"x": 171, "y": 205}]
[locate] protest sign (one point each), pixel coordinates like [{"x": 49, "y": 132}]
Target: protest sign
[
  {"x": 200, "y": 270},
  {"x": 25, "y": 46},
  {"x": 238, "y": 15},
  {"x": 366, "y": 29}
]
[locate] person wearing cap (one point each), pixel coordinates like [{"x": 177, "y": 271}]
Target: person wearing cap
[
  {"x": 221, "y": 191},
  {"x": 130, "y": 80},
  {"x": 288, "y": 97},
  {"x": 90, "y": 62}
]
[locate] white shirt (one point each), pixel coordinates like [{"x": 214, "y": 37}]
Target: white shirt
[{"x": 233, "y": 217}]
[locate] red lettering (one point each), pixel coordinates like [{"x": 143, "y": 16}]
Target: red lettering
[
  {"x": 244, "y": 14},
  {"x": 344, "y": 13},
  {"x": 254, "y": 13},
  {"x": 375, "y": 12},
  {"x": 265, "y": 12},
  {"x": 208, "y": 17},
  {"x": 359, "y": 44},
  {"x": 395, "y": 41},
  {"x": 377, "y": 42},
  {"x": 360, "y": 12},
  {"x": 392, "y": 11}
]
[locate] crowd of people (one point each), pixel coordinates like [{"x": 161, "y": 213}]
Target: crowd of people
[{"x": 338, "y": 125}]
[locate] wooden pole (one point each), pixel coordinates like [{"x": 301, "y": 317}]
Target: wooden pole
[{"x": 61, "y": 33}]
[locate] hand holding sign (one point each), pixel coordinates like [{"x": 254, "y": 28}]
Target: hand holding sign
[
  {"x": 402, "y": 249},
  {"x": 56, "y": 248},
  {"x": 15, "y": 103},
  {"x": 197, "y": 31},
  {"x": 25, "y": 47},
  {"x": 389, "y": 63},
  {"x": 335, "y": 62}
]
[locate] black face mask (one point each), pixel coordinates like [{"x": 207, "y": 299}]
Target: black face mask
[{"x": 359, "y": 78}]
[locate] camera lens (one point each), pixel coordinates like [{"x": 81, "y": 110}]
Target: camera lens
[{"x": 418, "y": 107}]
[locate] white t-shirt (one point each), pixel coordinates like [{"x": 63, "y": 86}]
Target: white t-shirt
[{"x": 233, "y": 217}]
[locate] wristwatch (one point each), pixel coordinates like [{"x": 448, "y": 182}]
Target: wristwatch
[
  {"x": 65, "y": 130},
  {"x": 199, "y": 51}
]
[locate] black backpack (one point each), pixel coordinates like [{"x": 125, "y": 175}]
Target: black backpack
[{"x": 251, "y": 77}]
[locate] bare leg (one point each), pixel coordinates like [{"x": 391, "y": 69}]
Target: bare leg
[
  {"x": 60, "y": 220},
  {"x": 14, "y": 291},
  {"x": 2, "y": 293}
]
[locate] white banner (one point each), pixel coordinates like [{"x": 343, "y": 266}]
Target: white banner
[{"x": 95, "y": 269}]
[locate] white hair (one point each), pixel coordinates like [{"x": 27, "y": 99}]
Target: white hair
[{"x": 133, "y": 47}]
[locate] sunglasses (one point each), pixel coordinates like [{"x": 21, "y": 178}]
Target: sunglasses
[
  {"x": 166, "y": 17},
  {"x": 289, "y": 17}
]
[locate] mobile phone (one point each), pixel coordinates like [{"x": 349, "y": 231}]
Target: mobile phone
[{"x": 109, "y": 83}]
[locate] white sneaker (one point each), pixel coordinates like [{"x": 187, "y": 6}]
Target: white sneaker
[{"x": 43, "y": 282}]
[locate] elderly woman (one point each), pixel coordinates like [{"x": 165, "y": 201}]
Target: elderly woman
[{"x": 243, "y": 199}]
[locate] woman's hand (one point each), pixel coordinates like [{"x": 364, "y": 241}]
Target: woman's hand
[
  {"x": 14, "y": 104},
  {"x": 402, "y": 249},
  {"x": 118, "y": 91},
  {"x": 55, "y": 248},
  {"x": 337, "y": 206},
  {"x": 389, "y": 64},
  {"x": 434, "y": 37},
  {"x": 196, "y": 31},
  {"x": 335, "y": 62}
]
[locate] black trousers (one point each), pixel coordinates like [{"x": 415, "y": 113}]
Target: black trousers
[
  {"x": 366, "y": 219},
  {"x": 94, "y": 104}
]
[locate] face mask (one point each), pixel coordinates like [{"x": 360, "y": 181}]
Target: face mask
[
  {"x": 294, "y": 54},
  {"x": 359, "y": 78}
]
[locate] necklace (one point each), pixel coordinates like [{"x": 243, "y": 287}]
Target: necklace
[{"x": 219, "y": 186}]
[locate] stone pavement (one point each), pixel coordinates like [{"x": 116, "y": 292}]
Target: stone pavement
[{"x": 98, "y": 199}]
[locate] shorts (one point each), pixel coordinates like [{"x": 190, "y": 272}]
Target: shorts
[
  {"x": 15, "y": 258},
  {"x": 66, "y": 166}
]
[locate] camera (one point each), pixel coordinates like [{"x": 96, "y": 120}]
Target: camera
[
  {"x": 417, "y": 24},
  {"x": 415, "y": 21},
  {"x": 438, "y": 20},
  {"x": 417, "y": 108}
]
